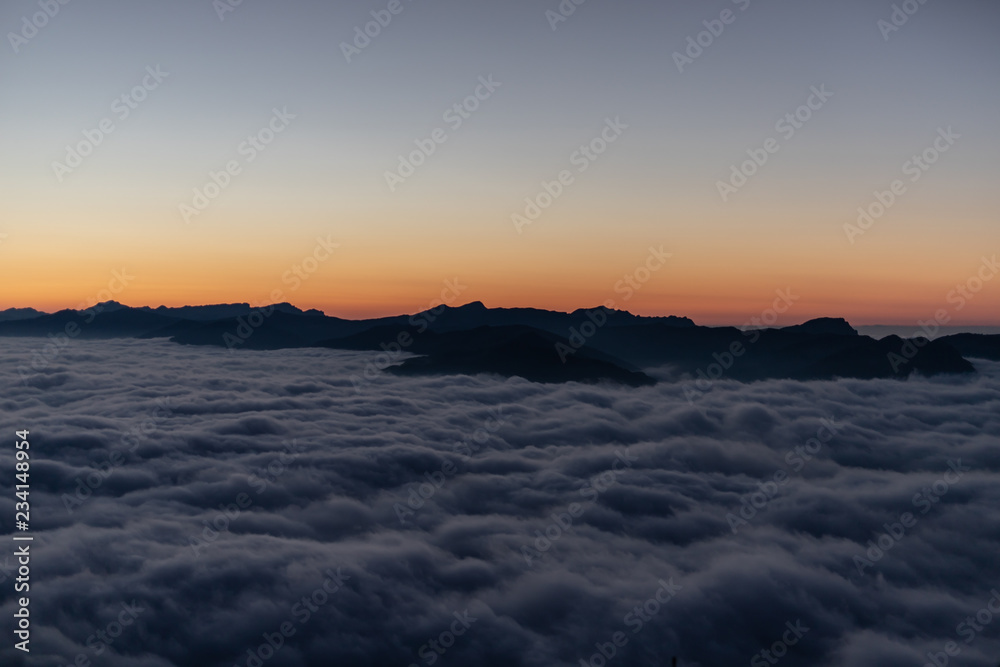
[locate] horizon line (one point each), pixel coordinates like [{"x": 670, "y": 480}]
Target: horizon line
[{"x": 325, "y": 313}]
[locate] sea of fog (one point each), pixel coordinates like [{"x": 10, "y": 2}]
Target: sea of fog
[{"x": 196, "y": 508}]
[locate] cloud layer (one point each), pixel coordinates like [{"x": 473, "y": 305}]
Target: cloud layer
[{"x": 193, "y": 507}]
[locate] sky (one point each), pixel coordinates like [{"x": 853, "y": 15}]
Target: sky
[{"x": 94, "y": 185}]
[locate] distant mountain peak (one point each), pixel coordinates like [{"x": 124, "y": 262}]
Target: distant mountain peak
[
  {"x": 286, "y": 307},
  {"x": 163, "y": 308},
  {"x": 583, "y": 311},
  {"x": 835, "y": 326},
  {"x": 110, "y": 306},
  {"x": 618, "y": 316},
  {"x": 12, "y": 314}
]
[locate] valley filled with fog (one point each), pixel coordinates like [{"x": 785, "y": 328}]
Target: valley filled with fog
[{"x": 196, "y": 506}]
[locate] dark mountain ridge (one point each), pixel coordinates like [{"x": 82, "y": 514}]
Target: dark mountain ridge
[
  {"x": 549, "y": 346},
  {"x": 12, "y": 314}
]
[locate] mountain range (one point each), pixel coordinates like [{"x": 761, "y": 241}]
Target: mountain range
[{"x": 589, "y": 345}]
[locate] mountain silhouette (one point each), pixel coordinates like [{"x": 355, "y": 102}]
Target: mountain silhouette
[
  {"x": 12, "y": 314},
  {"x": 836, "y": 326},
  {"x": 590, "y": 344},
  {"x": 509, "y": 351},
  {"x": 983, "y": 346}
]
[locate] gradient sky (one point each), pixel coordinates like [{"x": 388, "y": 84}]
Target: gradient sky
[{"x": 324, "y": 176}]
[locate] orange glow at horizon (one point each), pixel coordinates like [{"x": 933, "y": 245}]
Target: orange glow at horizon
[
  {"x": 569, "y": 261},
  {"x": 705, "y": 302}
]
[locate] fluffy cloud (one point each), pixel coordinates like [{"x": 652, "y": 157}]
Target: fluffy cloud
[{"x": 224, "y": 497}]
